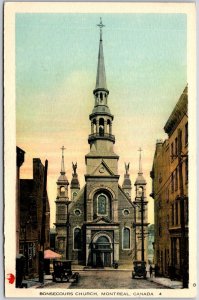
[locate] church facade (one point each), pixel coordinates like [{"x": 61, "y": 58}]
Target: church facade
[{"x": 96, "y": 227}]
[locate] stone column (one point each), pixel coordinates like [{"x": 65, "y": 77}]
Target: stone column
[
  {"x": 110, "y": 128},
  {"x": 105, "y": 127},
  {"x": 88, "y": 241},
  {"x": 92, "y": 128},
  {"x": 97, "y": 126}
]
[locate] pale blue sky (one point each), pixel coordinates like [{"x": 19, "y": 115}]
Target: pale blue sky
[{"x": 56, "y": 63}]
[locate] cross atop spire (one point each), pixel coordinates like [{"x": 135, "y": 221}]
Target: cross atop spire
[
  {"x": 100, "y": 25},
  {"x": 101, "y": 75},
  {"x": 140, "y": 162},
  {"x": 62, "y": 161}
]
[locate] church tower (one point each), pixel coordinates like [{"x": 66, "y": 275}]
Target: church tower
[
  {"x": 101, "y": 215},
  {"x": 140, "y": 195},
  {"x": 61, "y": 203}
]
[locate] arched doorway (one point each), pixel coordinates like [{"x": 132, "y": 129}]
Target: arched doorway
[{"x": 102, "y": 252}]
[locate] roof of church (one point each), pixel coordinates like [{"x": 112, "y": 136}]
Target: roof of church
[
  {"x": 140, "y": 179},
  {"x": 62, "y": 178}
]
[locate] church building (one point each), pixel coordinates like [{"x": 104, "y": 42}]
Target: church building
[{"x": 96, "y": 227}]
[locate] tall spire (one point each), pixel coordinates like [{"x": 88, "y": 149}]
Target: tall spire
[
  {"x": 62, "y": 161},
  {"x": 140, "y": 163},
  {"x": 101, "y": 75},
  {"x": 140, "y": 179}
]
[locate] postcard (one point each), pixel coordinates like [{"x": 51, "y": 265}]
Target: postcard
[{"x": 99, "y": 175}]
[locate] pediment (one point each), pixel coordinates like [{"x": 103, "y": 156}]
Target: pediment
[
  {"x": 102, "y": 220},
  {"x": 102, "y": 170}
]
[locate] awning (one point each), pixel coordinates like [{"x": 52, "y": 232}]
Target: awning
[{"x": 49, "y": 254}]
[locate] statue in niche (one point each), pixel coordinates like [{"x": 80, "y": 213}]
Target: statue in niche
[
  {"x": 127, "y": 166},
  {"x": 74, "y": 168}
]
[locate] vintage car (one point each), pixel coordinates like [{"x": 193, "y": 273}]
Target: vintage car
[
  {"x": 62, "y": 271},
  {"x": 139, "y": 269}
]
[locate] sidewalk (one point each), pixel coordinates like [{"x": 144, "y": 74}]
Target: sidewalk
[
  {"x": 168, "y": 283},
  {"x": 34, "y": 282}
]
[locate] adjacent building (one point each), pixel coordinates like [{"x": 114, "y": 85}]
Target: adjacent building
[
  {"x": 33, "y": 217},
  {"x": 151, "y": 244},
  {"x": 170, "y": 193},
  {"x": 20, "y": 154},
  {"x": 97, "y": 226}
]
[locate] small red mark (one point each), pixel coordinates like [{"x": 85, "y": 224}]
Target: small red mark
[{"x": 11, "y": 278}]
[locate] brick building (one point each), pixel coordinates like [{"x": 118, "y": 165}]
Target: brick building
[
  {"x": 170, "y": 192},
  {"x": 31, "y": 209}
]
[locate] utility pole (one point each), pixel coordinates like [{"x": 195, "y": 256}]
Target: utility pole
[
  {"x": 67, "y": 229},
  {"x": 142, "y": 223},
  {"x": 135, "y": 232},
  {"x": 43, "y": 227},
  {"x": 183, "y": 244}
]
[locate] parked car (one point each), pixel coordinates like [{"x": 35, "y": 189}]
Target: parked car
[
  {"x": 62, "y": 271},
  {"x": 139, "y": 269}
]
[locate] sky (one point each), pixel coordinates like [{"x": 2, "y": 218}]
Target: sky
[{"x": 56, "y": 65}]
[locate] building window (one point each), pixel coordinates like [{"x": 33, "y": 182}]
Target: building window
[
  {"x": 186, "y": 170},
  {"x": 126, "y": 238},
  {"x": 172, "y": 183},
  {"x": 172, "y": 152},
  {"x": 102, "y": 205},
  {"x": 186, "y": 134},
  {"x": 176, "y": 213},
  {"x": 77, "y": 239},
  {"x": 176, "y": 179},
  {"x": 62, "y": 191},
  {"x": 77, "y": 212},
  {"x": 126, "y": 212},
  {"x": 176, "y": 147},
  {"x": 172, "y": 214}
]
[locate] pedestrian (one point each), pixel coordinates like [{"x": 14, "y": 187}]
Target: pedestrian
[{"x": 151, "y": 270}]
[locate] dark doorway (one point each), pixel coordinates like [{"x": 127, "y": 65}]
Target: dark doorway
[{"x": 101, "y": 252}]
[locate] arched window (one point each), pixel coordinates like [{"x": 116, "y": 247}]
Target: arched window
[
  {"x": 94, "y": 126},
  {"x": 126, "y": 238},
  {"x": 101, "y": 126},
  {"x": 102, "y": 205},
  {"x": 62, "y": 191},
  {"x": 140, "y": 191},
  {"x": 101, "y": 96},
  {"x": 77, "y": 241},
  {"x": 108, "y": 126}
]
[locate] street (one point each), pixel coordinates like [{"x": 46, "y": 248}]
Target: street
[{"x": 108, "y": 280}]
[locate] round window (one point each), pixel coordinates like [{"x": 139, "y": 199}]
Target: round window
[
  {"x": 77, "y": 212},
  {"x": 126, "y": 212}
]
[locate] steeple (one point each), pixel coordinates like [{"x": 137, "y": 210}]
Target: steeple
[
  {"x": 101, "y": 75},
  {"x": 140, "y": 163},
  {"x": 140, "y": 183},
  {"x": 62, "y": 162},
  {"x": 62, "y": 180},
  {"x": 101, "y": 117}
]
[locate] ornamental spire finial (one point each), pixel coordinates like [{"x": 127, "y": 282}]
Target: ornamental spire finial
[
  {"x": 140, "y": 162},
  {"x": 62, "y": 161},
  {"x": 100, "y": 25}
]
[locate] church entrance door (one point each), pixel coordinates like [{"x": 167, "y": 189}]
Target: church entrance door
[{"x": 102, "y": 253}]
